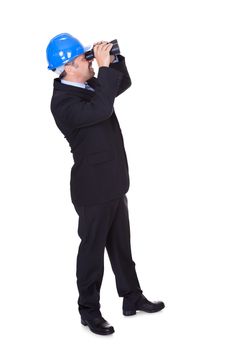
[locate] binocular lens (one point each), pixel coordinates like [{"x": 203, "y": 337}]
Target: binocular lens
[{"x": 115, "y": 50}]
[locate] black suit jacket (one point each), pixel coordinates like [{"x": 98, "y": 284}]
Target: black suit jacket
[{"x": 89, "y": 123}]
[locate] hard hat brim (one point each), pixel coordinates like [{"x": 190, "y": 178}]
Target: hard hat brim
[{"x": 87, "y": 48}]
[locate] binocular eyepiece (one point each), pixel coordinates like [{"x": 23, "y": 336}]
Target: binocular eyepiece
[{"x": 115, "y": 50}]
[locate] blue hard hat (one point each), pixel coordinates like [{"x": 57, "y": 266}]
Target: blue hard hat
[{"x": 62, "y": 49}]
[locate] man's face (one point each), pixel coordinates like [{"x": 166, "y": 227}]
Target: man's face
[{"x": 83, "y": 68}]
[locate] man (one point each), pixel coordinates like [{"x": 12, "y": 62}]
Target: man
[{"x": 82, "y": 106}]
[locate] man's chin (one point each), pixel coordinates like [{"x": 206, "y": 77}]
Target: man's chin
[{"x": 91, "y": 74}]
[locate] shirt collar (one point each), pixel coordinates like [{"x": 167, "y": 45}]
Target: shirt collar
[{"x": 81, "y": 85}]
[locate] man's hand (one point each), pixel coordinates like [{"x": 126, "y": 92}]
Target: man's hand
[
  {"x": 112, "y": 58},
  {"x": 102, "y": 53}
]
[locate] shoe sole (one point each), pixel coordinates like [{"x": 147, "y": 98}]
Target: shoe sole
[
  {"x": 133, "y": 312},
  {"x": 129, "y": 312},
  {"x": 84, "y": 323}
]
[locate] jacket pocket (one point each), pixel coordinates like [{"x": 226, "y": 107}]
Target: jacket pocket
[{"x": 100, "y": 157}]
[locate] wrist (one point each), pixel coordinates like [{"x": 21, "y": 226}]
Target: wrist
[{"x": 104, "y": 65}]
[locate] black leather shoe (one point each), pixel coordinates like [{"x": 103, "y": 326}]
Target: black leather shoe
[
  {"x": 141, "y": 304},
  {"x": 98, "y": 325}
]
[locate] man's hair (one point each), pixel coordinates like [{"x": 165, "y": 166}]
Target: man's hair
[{"x": 62, "y": 75}]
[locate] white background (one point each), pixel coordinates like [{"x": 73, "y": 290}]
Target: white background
[{"x": 177, "y": 125}]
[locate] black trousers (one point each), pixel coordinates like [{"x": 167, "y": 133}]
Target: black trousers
[{"x": 100, "y": 226}]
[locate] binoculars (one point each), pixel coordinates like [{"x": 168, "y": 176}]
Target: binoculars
[{"x": 115, "y": 50}]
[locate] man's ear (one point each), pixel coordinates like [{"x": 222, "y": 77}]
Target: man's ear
[{"x": 68, "y": 69}]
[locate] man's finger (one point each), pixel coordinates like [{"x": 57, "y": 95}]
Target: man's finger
[
  {"x": 108, "y": 47},
  {"x": 99, "y": 43}
]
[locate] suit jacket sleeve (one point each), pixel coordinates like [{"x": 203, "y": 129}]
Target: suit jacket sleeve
[
  {"x": 75, "y": 112},
  {"x": 121, "y": 67}
]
